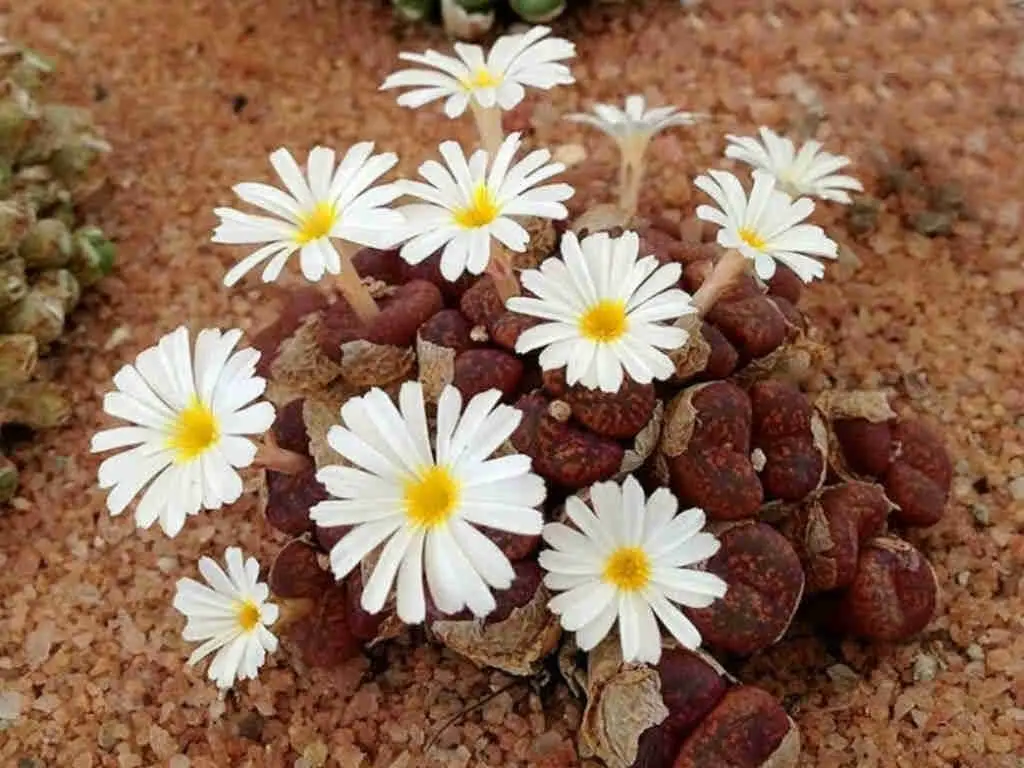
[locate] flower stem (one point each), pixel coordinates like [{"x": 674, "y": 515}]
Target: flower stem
[
  {"x": 488, "y": 125},
  {"x": 726, "y": 271},
  {"x": 629, "y": 197},
  {"x": 500, "y": 270},
  {"x": 272, "y": 456},
  {"x": 351, "y": 286},
  {"x": 631, "y": 174}
]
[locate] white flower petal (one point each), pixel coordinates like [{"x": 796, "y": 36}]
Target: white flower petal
[
  {"x": 315, "y": 208},
  {"x": 214, "y": 614},
  {"x": 620, "y": 564}
]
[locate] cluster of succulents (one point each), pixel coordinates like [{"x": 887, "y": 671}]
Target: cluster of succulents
[
  {"x": 539, "y": 432},
  {"x": 471, "y": 19},
  {"x": 47, "y": 255}
]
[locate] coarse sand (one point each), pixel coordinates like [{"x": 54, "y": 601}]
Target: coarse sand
[{"x": 194, "y": 95}]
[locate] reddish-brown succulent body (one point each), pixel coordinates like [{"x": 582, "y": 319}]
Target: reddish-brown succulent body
[{"x": 801, "y": 493}]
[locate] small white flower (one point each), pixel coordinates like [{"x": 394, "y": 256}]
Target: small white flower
[
  {"x": 604, "y": 307},
  {"x": 326, "y": 203},
  {"x": 628, "y": 562},
  {"x": 188, "y": 416},
  {"x": 422, "y": 502},
  {"x": 465, "y": 205},
  {"x": 766, "y": 228},
  {"x": 231, "y": 615},
  {"x": 807, "y": 172},
  {"x": 635, "y": 124},
  {"x": 514, "y": 61}
]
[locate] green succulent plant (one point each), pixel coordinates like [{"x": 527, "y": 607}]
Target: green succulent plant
[
  {"x": 47, "y": 256},
  {"x": 469, "y": 19}
]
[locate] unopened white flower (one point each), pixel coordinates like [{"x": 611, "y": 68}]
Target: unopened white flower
[
  {"x": 327, "y": 202},
  {"x": 604, "y": 308},
  {"x": 466, "y": 204},
  {"x": 808, "y": 171},
  {"x": 531, "y": 59},
  {"x": 627, "y": 560},
  {"x": 766, "y": 227},
  {"x": 188, "y": 413},
  {"x": 635, "y": 124},
  {"x": 231, "y": 615},
  {"x": 422, "y": 499}
]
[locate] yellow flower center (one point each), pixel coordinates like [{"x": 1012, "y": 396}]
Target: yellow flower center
[
  {"x": 431, "y": 497},
  {"x": 628, "y": 569},
  {"x": 481, "y": 211},
  {"x": 193, "y": 432},
  {"x": 316, "y": 224},
  {"x": 751, "y": 238},
  {"x": 248, "y": 615},
  {"x": 481, "y": 78},
  {"x": 605, "y": 322}
]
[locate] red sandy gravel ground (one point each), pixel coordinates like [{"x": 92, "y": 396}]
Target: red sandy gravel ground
[{"x": 91, "y": 660}]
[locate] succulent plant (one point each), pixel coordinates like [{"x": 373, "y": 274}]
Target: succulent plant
[
  {"x": 47, "y": 256},
  {"x": 562, "y": 389},
  {"x": 471, "y": 19},
  {"x": 738, "y": 438}
]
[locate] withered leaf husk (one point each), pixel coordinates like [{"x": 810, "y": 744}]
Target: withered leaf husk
[
  {"x": 437, "y": 367},
  {"x": 643, "y": 444},
  {"x": 516, "y": 645},
  {"x": 623, "y": 701},
  {"x": 365, "y": 364},
  {"x": 300, "y": 367},
  {"x": 680, "y": 419}
]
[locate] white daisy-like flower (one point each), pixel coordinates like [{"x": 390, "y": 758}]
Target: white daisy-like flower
[
  {"x": 327, "y": 202},
  {"x": 423, "y": 499},
  {"x": 465, "y": 205},
  {"x": 605, "y": 308},
  {"x": 231, "y": 615},
  {"x": 766, "y": 227},
  {"x": 627, "y": 560},
  {"x": 188, "y": 413},
  {"x": 514, "y": 62},
  {"x": 808, "y": 171},
  {"x": 635, "y": 124}
]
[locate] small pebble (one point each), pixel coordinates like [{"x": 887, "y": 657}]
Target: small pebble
[
  {"x": 925, "y": 667},
  {"x": 975, "y": 652},
  {"x": 10, "y": 705}
]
